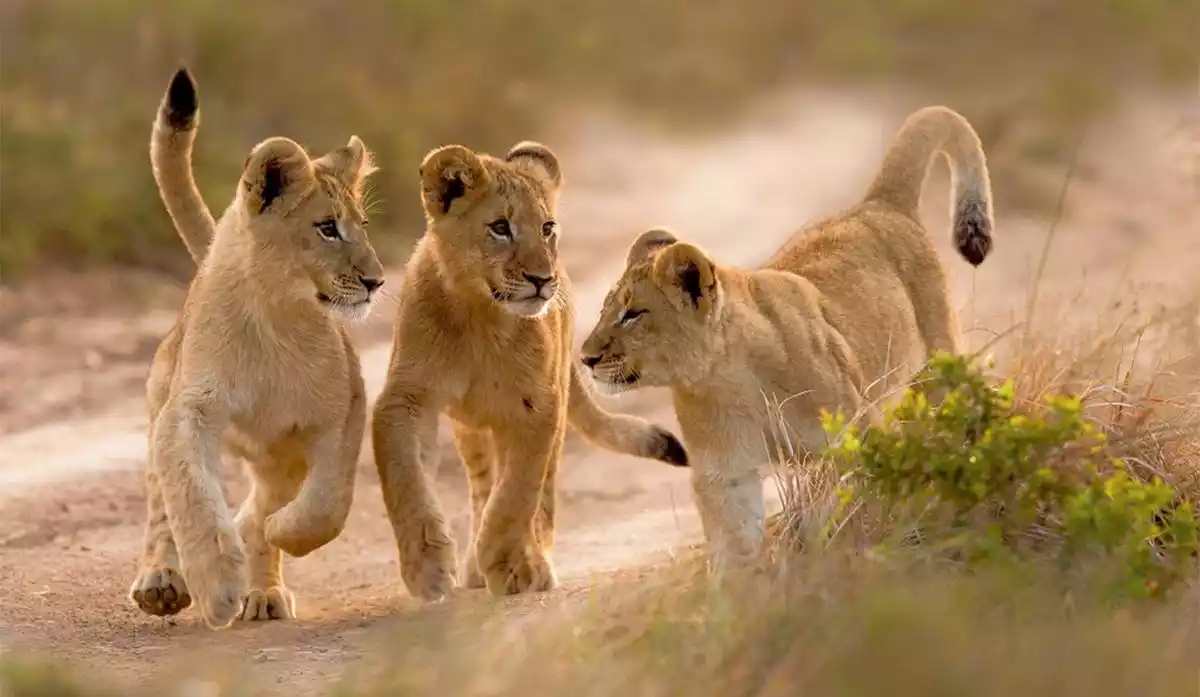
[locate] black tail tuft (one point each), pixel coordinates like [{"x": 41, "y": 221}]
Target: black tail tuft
[
  {"x": 972, "y": 230},
  {"x": 180, "y": 107},
  {"x": 670, "y": 450}
]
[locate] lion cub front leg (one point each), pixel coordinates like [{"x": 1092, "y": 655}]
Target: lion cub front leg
[
  {"x": 729, "y": 496},
  {"x": 404, "y": 434},
  {"x": 509, "y": 549},
  {"x": 318, "y": 513},
  {"x": 186, "y": 458},
  {"x": 273, "y": 485}
]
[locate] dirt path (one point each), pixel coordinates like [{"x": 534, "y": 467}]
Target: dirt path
[{"x": 72, "y": 427}]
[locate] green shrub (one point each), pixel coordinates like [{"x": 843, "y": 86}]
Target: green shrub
[{"x": 958, "y": 465}]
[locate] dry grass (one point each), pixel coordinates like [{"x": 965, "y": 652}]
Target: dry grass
[{"x": 831, "y": 619}]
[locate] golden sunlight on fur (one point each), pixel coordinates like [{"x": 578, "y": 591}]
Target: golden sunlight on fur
[
  {"x": 259, "y": 361},
  {"x": 844, "y": 313},
  {"x": 483, "y": 335}
]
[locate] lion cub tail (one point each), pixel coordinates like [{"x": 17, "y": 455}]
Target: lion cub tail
[
  {"x": 171, "y": 159},
  {"x": 621, "y": 433},
  {"x": 927, "y": 131}
]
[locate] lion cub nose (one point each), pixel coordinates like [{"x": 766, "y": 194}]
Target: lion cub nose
[
  {"x": 590, "y": 361},
  {"x": 371, "y": 284},
  {"x": 538, "y": 281}
]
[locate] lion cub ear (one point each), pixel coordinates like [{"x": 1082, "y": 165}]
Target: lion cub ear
[
  {"x": 450, "y": 174},
  {"x": 352, "y": 162},
  {"x": 277, "y": 169},
  {"x": 688, "y": 276},
  {"x": 648, "y": 243},
  {"x": 537, "y": 160}
]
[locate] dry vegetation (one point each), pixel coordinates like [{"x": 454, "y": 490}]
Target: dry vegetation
[
  {"x": 849, "y": 601},
  {"x": 79, "y": 83}
]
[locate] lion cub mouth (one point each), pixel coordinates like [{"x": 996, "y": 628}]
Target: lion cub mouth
[
  {"x": 352, "y": 310},
  {"x": 612, "y": 384},
  {"x": 531, "y": 306}
]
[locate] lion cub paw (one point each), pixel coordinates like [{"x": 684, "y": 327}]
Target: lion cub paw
[
  {"x": 428, "y": 568},
  {"x": 275, "y": 603},
  {"x": 160, "y": 591},
  {"x": 523, "y": 572},
  {"x": 471, "y": 575},
  {"x": 218, "y": 581},
  {"x": 222, "y": 604}
]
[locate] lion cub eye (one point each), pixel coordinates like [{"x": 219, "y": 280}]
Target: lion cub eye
[
  {"x": 628, "y": 317},
  {"x": 549, "y": 227},
  {"x": 329, "y": 230},
  {"x": 501, "y": 229}
]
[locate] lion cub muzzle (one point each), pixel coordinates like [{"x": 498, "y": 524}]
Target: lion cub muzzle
[{"x": 529, "y": 297}]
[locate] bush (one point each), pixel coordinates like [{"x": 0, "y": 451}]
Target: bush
[{"x": 956, "y": 464}]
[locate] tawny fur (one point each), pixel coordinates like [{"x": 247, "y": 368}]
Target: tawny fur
[
  {"x": 258, "y": 362},
  {"x": 483, "y": 335},
  {"x": 844, "y": 313}
]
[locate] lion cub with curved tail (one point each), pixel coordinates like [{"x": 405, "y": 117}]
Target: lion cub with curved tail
[
  {"x": 848, "y": 309},
  {"x": 258, "y": 361},
  {"x": 484, "y": 335}
]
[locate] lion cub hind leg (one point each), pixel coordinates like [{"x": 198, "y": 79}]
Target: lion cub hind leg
[
  {"x": 159, "y": 588},
  {"x": 273, "y": 485},
  {"x": 508, "y": 549},
  {"x": 479, "y": 460}
]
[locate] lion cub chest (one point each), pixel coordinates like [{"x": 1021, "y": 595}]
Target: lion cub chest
[
  {"x": 290, "y": 395},
  {"x": 521, "y": 375}
]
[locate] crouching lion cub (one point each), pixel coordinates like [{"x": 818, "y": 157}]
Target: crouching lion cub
[
  {"x": 848, "y": 309},
  {"x": 258, "y": 361},
  {"x": 483, "y": 334}
]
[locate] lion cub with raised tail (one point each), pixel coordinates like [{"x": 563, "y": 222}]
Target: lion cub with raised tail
[
  {"x": 847, "y": 310},
  {"x": 259, "y": 361},
  {"x": 484, "y": 335}
]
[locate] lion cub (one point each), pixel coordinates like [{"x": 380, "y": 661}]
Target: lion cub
[
  {"x": 258, "y": 361},
  {"x": 484, "y": 335},
  {"x": 848, "y": 309}
]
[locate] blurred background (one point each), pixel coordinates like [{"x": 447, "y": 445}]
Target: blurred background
[
  {"x": 80, "y": 82},
  {"x": 734, "y": 122}
]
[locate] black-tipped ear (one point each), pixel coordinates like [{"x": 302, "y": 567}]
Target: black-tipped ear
[
  {"x": 272, "y": 185},
  {"x": 181, "y": 104},
  {"x": 687, "y": 274},
  {"x": 448, "y": 175},
  {"x": 689, "y": 280},
  {"x": 538, "y": 160},
  {"x": 276, "y": 167},
  {"x": 648, "y": 243}
]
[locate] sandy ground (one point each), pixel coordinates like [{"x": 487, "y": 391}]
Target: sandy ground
[{"x": 72, "y": 424}]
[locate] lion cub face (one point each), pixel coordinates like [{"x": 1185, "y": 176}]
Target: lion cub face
[
  {"x": 493, "y": 221},
  {"x": 655, "y": 326},
  {"x": 309, "y": 214}
]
